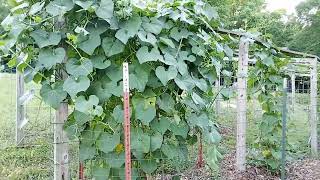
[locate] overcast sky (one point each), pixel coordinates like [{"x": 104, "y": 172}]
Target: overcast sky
[{"x": 289, "y": 5}]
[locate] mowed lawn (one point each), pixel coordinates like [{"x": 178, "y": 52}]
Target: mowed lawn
[{"x": 34, "y": 159}]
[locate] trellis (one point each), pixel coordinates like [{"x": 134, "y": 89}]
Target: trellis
[{"x": 61, "y": 156}]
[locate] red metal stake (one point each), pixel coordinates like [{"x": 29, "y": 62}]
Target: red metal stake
[
  {"x": 81, "y": 171},
  {"x": 126, "y": 95},
  {"x": 200, "y": 154}
]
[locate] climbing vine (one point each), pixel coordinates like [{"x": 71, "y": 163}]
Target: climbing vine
[{"x": 75, "y": 50}]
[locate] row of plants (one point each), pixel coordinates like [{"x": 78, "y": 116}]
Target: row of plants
[{"x": 75, "y": 50}]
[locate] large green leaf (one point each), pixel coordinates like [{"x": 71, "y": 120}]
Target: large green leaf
[
  {"x": 156, "y": 141},
  {"x": 169, "y": 60},
  {"x": 100, "y": 173},
  {"x": 185, "y": 82},
  {"x": 144, "y": 109},
  {"x": 152, "y": 25},
  {"x": 118, "y": 114},
  {"x": 36, "y": 7},
  {"x": 147, "y": 37},
  {"x": 200, "y": 120},
  {"x": 86, "y": 152},
  {"x": 144, "y": 55},
  {"x": 91, "y": 43},
  {"x": 166, "y": 75},
  {"x": 129, "y": 29},
  {"x": 103, "y": 89},
  {"x": 112, "y": 46},
  {"x": 85, "y": 4},
  {"x": 100, "y": 62},
  {"x": 43, "y": 38},
  {"x": 53, "y": 94},
  {"x": 82, "y": 67},
  {"x": 108, "y": 142},
  {"x": 115, "y": 160},
  {"x": 105, "y": 10},
  {"x": 88, "y": 106},
  {"x": 49, "y": 58},
  {"x": 59, "y": 7},
  {"x": 178, "y": 34},
  {"x": 180, "y": 129},
  {"x": 166, "y": 103},
  {"x": 148, "y": 165},
  {"x": 140, "y": 141},
  {"x": 81, "y": 118},
  {"x": 161, "y": 125},
  {"x": 74, "y": 85},
  {"x": 139, "y": 78}
]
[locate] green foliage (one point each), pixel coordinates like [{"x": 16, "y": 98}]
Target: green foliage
[
  {"x": 89, "y": 40},
  {"x": 266, "y": 77}
]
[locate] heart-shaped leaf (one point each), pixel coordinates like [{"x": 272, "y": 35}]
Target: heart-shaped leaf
[
  {"x": 105, "y": 10},
  {"x": 100, "y": 62},
  {"x": 140, "y": 141},
  {"x": 144, "y": 55},
  {"x": 161, "y": 125},
  {"x": 82, "y": 67},
  {"x": 144, "y": 110},
  {"x": 90, "y": 44},
  {"x": 152, "y": 25},
  {"x": 49, "y": 58},
  {"x": 166, "y": 75},
  {"x": 166, "y": 103},
  {"x": 156, "y": 141},
  {"x": 147, "y": 37},
  {"x": 53, "y": 94},
  {"x": 185, "y": 82},
  {"x": 84, "y": 4},
  {"x": 75, "y": 85},
  {"x": 169, "y": 60},
  {"x": 178, "y": 34},
  {"x": 112, "y": 46},
  {"x": 108, "y": 142},
  {"x": 59, "y": 7},
  {"x": 44, "y": 39},
  {"x": 129, "y": 29},
  {"x": 89, "y": 106},
  {"x": 148, "y": 165},
  {"x": 167, "y": 41}
]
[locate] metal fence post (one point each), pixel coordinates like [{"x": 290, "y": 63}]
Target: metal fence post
[
  {"x": 242, "y": 104},
  {"x": 20, "y": 108},
  {"x": 313, "y": 107}
]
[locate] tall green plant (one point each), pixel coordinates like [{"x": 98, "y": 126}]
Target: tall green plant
[{"x": 174, "y": 57}]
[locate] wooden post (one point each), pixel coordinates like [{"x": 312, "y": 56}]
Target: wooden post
[
  {"x": 217, "y": 84},
  {"x": 313, "y": 107},
  {"x": 242, "y": 104},
  {"x": 61, "y": 156},
  {"x": 293, "y": 90},
  {"x": 20, "y": 108}
]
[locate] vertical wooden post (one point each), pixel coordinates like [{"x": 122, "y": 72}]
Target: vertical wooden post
[
  {"x": 61, "y": 156},
  {"x": 242, "y": 103},
  {"x": 20, "y": 108},
  {"x": 293, "y": 90},
  {"x": 313, "y": 107},
  {"x": 217, "y": 84}
]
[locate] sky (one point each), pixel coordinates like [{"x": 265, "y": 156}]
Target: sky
[{"x": 288, "y": 5}]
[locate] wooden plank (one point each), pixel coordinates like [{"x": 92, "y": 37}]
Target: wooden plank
[
  {"x": 61, "y": 156},
  {"x": 242, "y": 104},
  {"x": 313, "y": 108},
  {"x": 266, "y": 44},
  {"x": 20, "y": 108}
]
